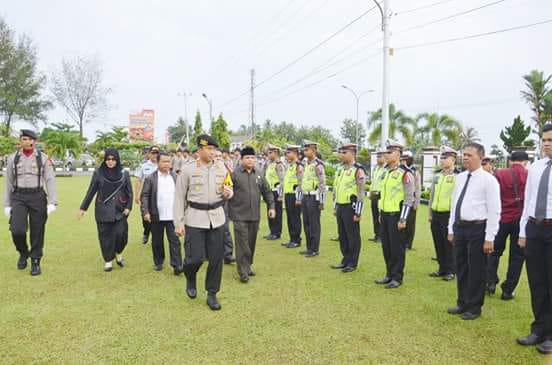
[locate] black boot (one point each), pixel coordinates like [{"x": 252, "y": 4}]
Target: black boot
[
  {"x": 35, "y": 267},
  {"x": 212, "y": 302},
  {"x": 22, "y": 263}
]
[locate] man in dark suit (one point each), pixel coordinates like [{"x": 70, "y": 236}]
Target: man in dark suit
[{"x": 157, "y": 201}]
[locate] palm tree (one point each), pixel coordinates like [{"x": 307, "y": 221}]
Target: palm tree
[
  {"x": 467, "y": 135},
  {"x": 439, "y": 127},
  {"x": 399, "y": 123},
  {"x": 537, "y": 89},
  {"x": 59, "y": 142}
]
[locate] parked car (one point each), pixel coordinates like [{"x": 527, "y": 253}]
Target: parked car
[{"x": 83, "y": 160}]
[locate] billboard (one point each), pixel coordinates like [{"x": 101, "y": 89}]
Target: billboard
[{"x": 141, "y": 126}]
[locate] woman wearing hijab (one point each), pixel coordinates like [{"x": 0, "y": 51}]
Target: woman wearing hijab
[{"x": 113, "y": 190}]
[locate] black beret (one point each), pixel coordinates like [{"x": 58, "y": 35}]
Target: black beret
[
  {"x": 206, "y": 140},
  {"x": 519, "y": 156},
  {"x": 247, "y": 151},
  {"x": 28, "y": 133}
]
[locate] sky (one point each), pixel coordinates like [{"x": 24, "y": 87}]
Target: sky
[{"x": 151, "y": 51}]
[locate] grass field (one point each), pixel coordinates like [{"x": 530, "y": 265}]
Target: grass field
[{"x": 296, "y": 310}]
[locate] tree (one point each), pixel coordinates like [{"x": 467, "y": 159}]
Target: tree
[
  {"x": 349, "y": 130},
  {"x": 20, "y": 82},
  {"x": 60, "y": 139},
  {"x": 399, "y": 123},
  {"x": 177, "y": 132},
  {"x": 547, "y": 108},
  {"x": 498, "y": 154},
  {"x": 516, "y": 135},
  {"x": 467, "y": 135},
  {"x": 439, "y": 128},
  {"x": 198, "y": 127},
  {"x": 537, "y": 89},
  {"x": 219, "y": 131},
  {"x": 78, "y": 88}
]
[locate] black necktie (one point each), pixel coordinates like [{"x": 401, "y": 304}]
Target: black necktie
[
  {"x": 461, "y": 199},
  {"x": 542, "y": 193}
]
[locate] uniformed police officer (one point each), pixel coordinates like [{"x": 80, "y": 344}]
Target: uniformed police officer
[
  {"x": 407, "y": 159},
  {"x": 397, "y": 198},
  {"x": 274, "y": 175},
  {"x": 440, "y": 200},
  {"x": 375, "y": 187},
  {"x": 293, "y": 195},
  {"x": 349, "y": 193},
  {"x": 28, "y": 172},
  {"x": 202, "y": 188},
  {"x": 146, "y": 169},
  {"x": 313, "y": 187}
]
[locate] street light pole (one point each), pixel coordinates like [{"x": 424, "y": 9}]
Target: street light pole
[
  {"x": 185, "y": 95},
  {"x": 357, "y": 98},
  {"x": 210, "y": 102},
  {"x": 387, "y": 52}
]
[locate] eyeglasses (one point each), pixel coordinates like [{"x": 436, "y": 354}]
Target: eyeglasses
[
  {"x": 111, "y": 159},
  {"x": 154, "y": 152}
]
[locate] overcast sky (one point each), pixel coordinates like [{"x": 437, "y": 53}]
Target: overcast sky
[{"x": 151, "y": 50}]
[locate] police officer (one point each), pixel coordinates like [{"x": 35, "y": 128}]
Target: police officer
[
  {"x": 440, "y": 200},
  {"x": 293, "y": 195},
  {"x": 202, "y": 188},
  {"x": 274, "y": 175},
  {"x": 375, "y": 187},
  {"x": 349, "y": 193},
  {"x": 28, "y": 172},
  {"x": 407, "y": 159},
  {"x": 146, "y": 169},
  {"x": 313, "y": 187},
  {"x": 397, "y": 198}
]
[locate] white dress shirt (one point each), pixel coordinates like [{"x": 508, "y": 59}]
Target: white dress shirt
[
  {"x": 531, "y": 192},
  {"x": 165, "y": 196},
  {"x": 481, "y": 201}
]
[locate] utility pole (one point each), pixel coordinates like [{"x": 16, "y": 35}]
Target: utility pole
[
  {"x": 387, "y": 53},
  {"x": 252, "y": 106},
  {"x": 185, "y": 95},
  {"x": 210, "y": 102}
]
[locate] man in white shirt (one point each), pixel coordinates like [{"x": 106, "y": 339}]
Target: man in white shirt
[
  {"x": 473, "y": 224},
  {"x": 535, "y": 235},
  {"x": 157, "y": 200}
]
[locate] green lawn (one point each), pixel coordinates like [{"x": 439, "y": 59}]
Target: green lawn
[{"x": 296, "y": 310}]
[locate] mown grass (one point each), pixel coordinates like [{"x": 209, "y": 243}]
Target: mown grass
[{"x": 296, "y": 310}]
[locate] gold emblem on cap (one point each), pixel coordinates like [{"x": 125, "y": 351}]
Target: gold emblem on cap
[{"x": 203, "y": 142}]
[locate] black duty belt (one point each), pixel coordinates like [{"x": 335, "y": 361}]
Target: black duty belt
[
  {"x": 540, "y": 222},
  {"x": 203, "y": 206},
  {"x": 471, "y": 223},
  {"x": 27, "y": 190}
]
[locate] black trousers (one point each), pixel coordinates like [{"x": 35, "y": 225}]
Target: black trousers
[
  {"x": 538, "y": 253},
  {"x": 275, "y": 224},
  {"x": 158, "y": 231},
  {"x": 200, "y": 244},
  {"x": 410, "y": 228},
  {"x": 471, "y": 265},
  {"x": 227, "y": 237},
  {"x": 375, "y": 217},
  {"x": 515, "y": 260},
  {"x": 393, "y": 244},
  {"x": 349, "y": 234},
  {"x": 245, "y": 233},
  {"x": 147, "y": 228},
  {"x": 443, "y": 248},
  {"x": 28, "y": 211},
  {"x": 113, "y": 237},
  {"x": 293, "y": 214},
  {"x": 311, "y": 222}
]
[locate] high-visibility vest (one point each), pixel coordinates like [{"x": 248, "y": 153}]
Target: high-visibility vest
[
  {"x": 442, "y": 193},
  {"x": 290, "y": 178},
  {"x": 392, "y": 191},
  {"x": 310, "y": 179},
  {"x": 345, "y": 185},
  {"x": 271, "y": 175},
  {"x": 377, "y": 178}
]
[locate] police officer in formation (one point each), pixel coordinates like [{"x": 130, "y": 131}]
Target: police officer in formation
[
  {"x": 26, "y": 204},
  {"x": 407, "y": 159},
  {"x": 274, "y": 175},
  {"x": 349, "y": 191},
  {"x": 440, "y": 200},
  {"x": 293, "y": 195},
  {"x": 377, "y": 176},
  {"x": 396, "y": 201},
  {"x": 202, "y": 188}
]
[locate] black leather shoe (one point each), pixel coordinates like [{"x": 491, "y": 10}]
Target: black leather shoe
[
  {"x": 348, "y": 269},
  {"x": 436, "y": 274},
  {"x": 506, "y": 296},
  {"x": 212, "y": 302},
  {"x": 491, "y": 289},
  {"x": 286, "y": 243},
  {"x": 338, "y": 266},
  {"x": 393, "y": 284},
  {"x": 293, "y": 245},
  {"x": 191, "y": 290},
  {"x": 448, "y": 277},
  {"x": 120, "y": 263},
  {"x": 244, "y": 278},
  {"x": 312, "y": 254},
  {"x": 252, "y": 273},
  {"x": 158, "y": 267},
  {"x": 145, "y": 239},
  {"x": 530, "y": 340},
  {"x": 178, "y": 270},
  {"x": 545, "y": 347},
  {"x": 267, "y": 236},
  {"x": 35, "y": 268},
  {"x": 22, "y": 263},
  {"x": 456, "y": 310},
  {"x": 434, "y": 258},
  {"x": 384, "y": 281},
  {"x": 229, "y": 260},
  {"x": 469, "y": 316},
  {"x": 306, "y": 252},
  {"x": 272, "y": 238}
]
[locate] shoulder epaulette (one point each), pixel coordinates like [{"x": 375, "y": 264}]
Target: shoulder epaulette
[
  {"x": 406, "y": 169},
  {"x": 359, "y": 166}
]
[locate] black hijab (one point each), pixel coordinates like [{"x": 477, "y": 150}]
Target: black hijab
[{"x": 115, "y": 174}]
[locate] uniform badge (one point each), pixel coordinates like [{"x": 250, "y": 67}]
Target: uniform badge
[
  {"x": 450, "y": 179},
  {"x": 395, "y": 175}
]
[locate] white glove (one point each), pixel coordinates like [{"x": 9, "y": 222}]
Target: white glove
[
  {"x": 50, "y": 208},
  {"x": 7, "y": 211}
]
